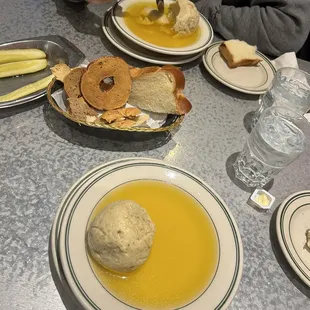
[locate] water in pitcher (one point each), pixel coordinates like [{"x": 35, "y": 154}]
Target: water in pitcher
[{"x": 271, "y": 146}]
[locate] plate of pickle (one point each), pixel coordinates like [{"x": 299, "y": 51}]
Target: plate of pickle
[{"x": 25, "y": 67}]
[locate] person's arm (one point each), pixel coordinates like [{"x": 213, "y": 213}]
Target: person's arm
[{"x": 282, "y": 26}]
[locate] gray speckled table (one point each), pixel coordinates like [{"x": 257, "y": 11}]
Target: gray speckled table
[{"x": 42, "y": 155}]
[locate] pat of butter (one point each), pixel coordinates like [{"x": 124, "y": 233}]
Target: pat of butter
[{"x": 262, "y": 199}]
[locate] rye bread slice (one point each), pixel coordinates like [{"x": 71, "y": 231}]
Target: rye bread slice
[
  {"x": 72, "y": 82},
  {"x": 80, "y": 109}
]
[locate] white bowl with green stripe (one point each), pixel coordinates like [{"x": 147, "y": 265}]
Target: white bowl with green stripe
[
  {"x": 84, "y": 196},
  {"x": 201, "y": 44},
  {"x": 138, "y": 52},
  {"x": 293, "y": 220},
  {"x": 55, "y": 230}
]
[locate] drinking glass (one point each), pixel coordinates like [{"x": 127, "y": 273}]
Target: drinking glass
[
  {"x": 290, "y": 88},
  {"x": 276, "y": 141}
]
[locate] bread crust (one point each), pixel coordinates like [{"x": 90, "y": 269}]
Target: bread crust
[
  {"x": 114, "y": 115},
  {"x": 72, "y": 82},
  {"x": 128, "y": 123},
  {"x": 111, "y": 116},
  {"x": 124, "y": 123},
  {"x": 80, "y": 109},
  {"x": 182, "y": 104},
  {"x": 60, "y": 71},
  {"x": 129, "y": 112},
  {"x": 230, "y": 60},
  {"x": 97, "y": 71}
]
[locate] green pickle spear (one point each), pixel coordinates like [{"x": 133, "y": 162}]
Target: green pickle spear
[
  {"x": 13, "y": 55},
  {"x": 22, "y": 67},
  {"x": 27, "y": 90}
]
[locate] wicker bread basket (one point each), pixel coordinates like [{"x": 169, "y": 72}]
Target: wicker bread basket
[{"x": 172, "y": 121}]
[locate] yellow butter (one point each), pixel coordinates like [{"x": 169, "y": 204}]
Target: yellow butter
[{"x": 262, "y": 199}]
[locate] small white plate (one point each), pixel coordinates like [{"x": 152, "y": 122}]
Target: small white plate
[
  {"x": 293, "y": 219},
  {"x": 205, "y": 39},
  {"x": 85, "y": 194},
  {"x": 138, "y": 52},
  {"x": 250, "y": 80}
]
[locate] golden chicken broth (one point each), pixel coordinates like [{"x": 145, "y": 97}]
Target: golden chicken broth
[
  {"x": 184, "y": 254},
  {"x": 160, "y": 35}
]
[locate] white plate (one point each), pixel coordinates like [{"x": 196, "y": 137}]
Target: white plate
[
  {"x": 293, "y": 219},
  {"x": 205, "y": 39},
  {"x": 138, "y": 52},
  {"x": 250, "y": 80},
  {"x": 85, "y": 194}
]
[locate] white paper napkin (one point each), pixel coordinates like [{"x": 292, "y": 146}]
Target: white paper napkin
[
  {"x": 307, "y": 116},
  {"x": 85, "y": 63},
  {"x": 286, "y": 60}
]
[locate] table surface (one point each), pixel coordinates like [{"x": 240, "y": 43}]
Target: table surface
[{"x": 42, "y": 155}]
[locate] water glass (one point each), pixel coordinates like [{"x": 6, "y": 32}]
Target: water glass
[
  {"x": 275, "y": 142},
  {"x": 290, "y": 88}
]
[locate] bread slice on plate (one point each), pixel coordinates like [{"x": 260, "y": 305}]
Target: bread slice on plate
[
  {"x": 239, "y": 53},
  {"x": 159, "y": 90}
]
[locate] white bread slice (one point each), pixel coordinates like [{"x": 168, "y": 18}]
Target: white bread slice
[
  {"x": 185, "y": 16},
  {"x": 239, "y": 53},
  {"x": 159, "y": 90}
]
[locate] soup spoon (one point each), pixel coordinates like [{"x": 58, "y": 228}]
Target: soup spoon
[{"x": 160, "y": 6}]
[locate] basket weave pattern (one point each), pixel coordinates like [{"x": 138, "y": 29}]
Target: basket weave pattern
[{"x": 51, "y": 88}]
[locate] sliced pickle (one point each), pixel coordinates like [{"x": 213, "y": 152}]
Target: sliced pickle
[
  {"x": 27, "y": 90},
  {"x": 22, "y": 67},
  {"x": 13, "y": 55}
]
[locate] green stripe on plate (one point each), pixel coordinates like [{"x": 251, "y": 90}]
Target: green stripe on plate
[
  {"x": 220, "y": 78},
  {"x": 84, "y": 294},
  {"x": 286, "y": 206},
  {"x": 289, "y": 232},
  {"x": 217, "y": 235},
  {"x": 162, "y": 49}
]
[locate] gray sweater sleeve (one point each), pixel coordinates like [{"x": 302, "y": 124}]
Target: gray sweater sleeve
[{"x": 282, "y": 26}]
